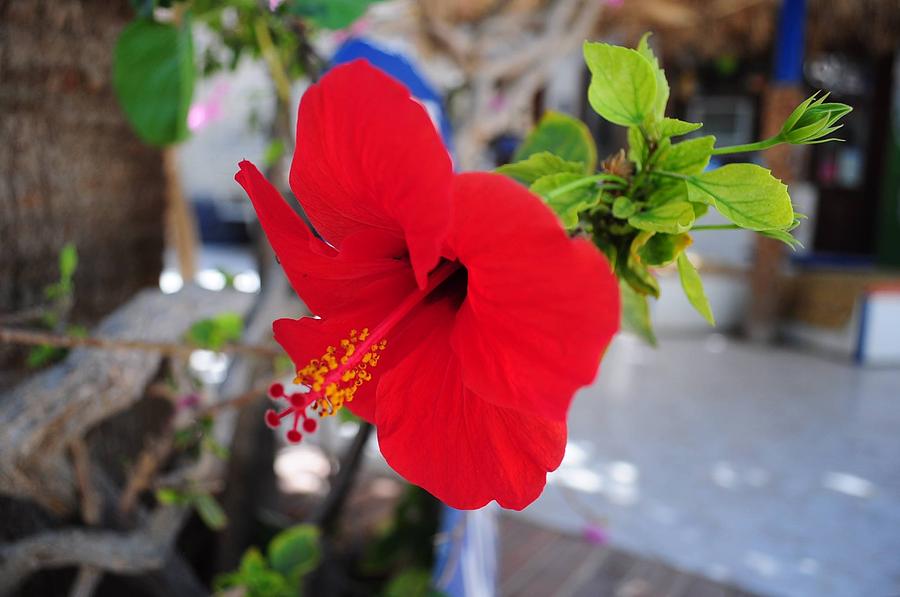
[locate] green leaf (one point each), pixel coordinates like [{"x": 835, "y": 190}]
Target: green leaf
[
  {"x": 662, "y": 86},
  {"x": 623, "y": 84},
  {"x": 746, "y": 194},
  {"x": 537, "y": 165},
  {"x": 42, "y": 355},
  {"x": 637, "y": 146},
  {"x": 330, "y": 14},
  {"x": 662, "y": 249},
  {"x": 415, "y": 582},
  {"x": 630, "y": 269},
  {"x": 672, "y": 127},
  {"x": 295, "y": 551},
  {"x": 784, "y": 236},
  {"x": 256, "y": 578},
  {"x": 636, "y": 314},
  {"x": 565, "y": 137},
  {"x": 216, "y": 332},
  {"x": 170, "y": 496},
  {"x": 569, "y": 204},
  {"x": 209, "y": 510},
  {"x": 673, "y": 217},
  {"x": 693, "y": 288},
  {"x": 688, "y": 157},
  {"x": 153, "y": 75},
  {"x": 68, "y": 261},
  {"x": 623, "y": 208}
]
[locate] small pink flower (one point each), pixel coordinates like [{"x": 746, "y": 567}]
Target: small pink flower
[
  {"x": 209, "y": 110},
  {"x": 274, "y": 4}
]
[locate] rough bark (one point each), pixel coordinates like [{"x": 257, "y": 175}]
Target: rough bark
[
  {"x": 40, "y": 418},
  {"x": 71, "y": 170}
]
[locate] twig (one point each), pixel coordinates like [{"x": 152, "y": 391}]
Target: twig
[
  {"x": 86, "y": 582},
  {"x": 91, "y": 502},
  {"x": 123, "y": 553},
  {"x": 141, "y": 477},
  {"x": 39, "y": 338}
]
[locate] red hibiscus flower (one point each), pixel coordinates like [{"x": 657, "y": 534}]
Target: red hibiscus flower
[{"x": 453, "y": 310}]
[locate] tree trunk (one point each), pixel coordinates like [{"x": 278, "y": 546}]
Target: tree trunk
[{"x": 71, "y": 170}]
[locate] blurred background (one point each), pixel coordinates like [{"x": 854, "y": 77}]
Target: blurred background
[{"x": 760, "y": 457}]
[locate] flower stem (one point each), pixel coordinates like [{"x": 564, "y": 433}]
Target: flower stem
[
  {"x": 748, "y": 147},
  {"x": 587, "y": 181},
  {"x": 273, "y": 61}
]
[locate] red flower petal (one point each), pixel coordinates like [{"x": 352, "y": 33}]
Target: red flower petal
[
  {"x": 327, "y": 281},
  {"x": 441, "y": 436},
  {"x": 368, "y": 156},
  {"x": 540, "y": 308}
]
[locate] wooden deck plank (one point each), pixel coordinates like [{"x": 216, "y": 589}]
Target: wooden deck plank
[{"x": 538, "y": 562}]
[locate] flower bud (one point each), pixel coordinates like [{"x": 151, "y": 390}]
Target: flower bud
[{"x": 813, "y": 120}]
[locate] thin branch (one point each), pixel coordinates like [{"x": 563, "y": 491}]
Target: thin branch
[
  {"x": 91, "y": 501},
  {"x": 328, "y": 514},
  {"x": 40, "y": 338},
  {"x": 86, "y": 582}
]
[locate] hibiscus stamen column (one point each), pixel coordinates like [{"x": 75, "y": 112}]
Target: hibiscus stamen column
[{"x": 333, "y": 380}]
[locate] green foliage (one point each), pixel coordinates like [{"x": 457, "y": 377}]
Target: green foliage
[
  {"x": 688, "y": 157},
  {"x": 636, "y": 314},
  {"x": 68, "y": 263},
  {"x": 291, "y": 555},
  {"x": 746, "y": 194},
  {"x": 640, "y": 211},
  {"x": 537, "y": 165},
  {"x": 329, "y": 14},
  {"x": 567, "y": 201},
  {"x": 662, "y": 85},
  {"x": 623, "y": 87},
  {"x": 415, "y": 582},
  {"x": 407, "y": 541},
  {"x": 295, "y": 552},
  {"x": 563, "y": 136},
  {"x": 215, "y": 332},
  {"x": 206, "y": 506},
  {"x": 693, "y": 288},
  {"x": 673, "y": 217},
  {"x": 153, "y": 75}
]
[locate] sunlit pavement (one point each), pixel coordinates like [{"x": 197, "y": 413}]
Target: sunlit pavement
[{"x": 773, "y": 469}]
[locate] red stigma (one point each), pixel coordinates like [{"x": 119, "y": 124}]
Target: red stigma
[{"x": 276, "y": 390}]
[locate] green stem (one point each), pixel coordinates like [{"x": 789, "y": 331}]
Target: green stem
[
  {"x": 717, "y": 227},
  {"x": 273, "y": 61},
  {"x": 748, "y": 147},
  {"x": 586, "y": 181}
]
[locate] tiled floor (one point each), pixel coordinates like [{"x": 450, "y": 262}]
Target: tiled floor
[
  {"x": 537, "y": 562},
  {"x": 768, "y": 468}
]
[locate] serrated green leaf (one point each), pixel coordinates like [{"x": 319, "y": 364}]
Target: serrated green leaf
[
  {"x": 746, "y": 194},
  {"x": 295, "y": 551},
  {"x": 783, "y": 236},
  {"x": 565, "y": 137},
  {"x": 623, "y": 84},
  {"x": 215, "y": 332},
  {"x": 153, "y": 75},
  {"x": 662, "y": 85},
  {"x": 693, "y": 288},
  {"x": 537, "y": 165},
  {"x": 567, "y": 205},
  {"x": 623, "y": 208},
  {"x": 688, "y": 157},
  {"x": 672, "y": 127},
  {"x": 636, "y": 314},
  {"x": 673, "y": 217},
  {"x": 637, "y": 146},
  {"x": 209, "y": 510},
  {"x": 662, "y": 249}
]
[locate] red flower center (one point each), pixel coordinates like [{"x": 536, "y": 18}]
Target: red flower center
[{"x": 334, "y": 378}]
